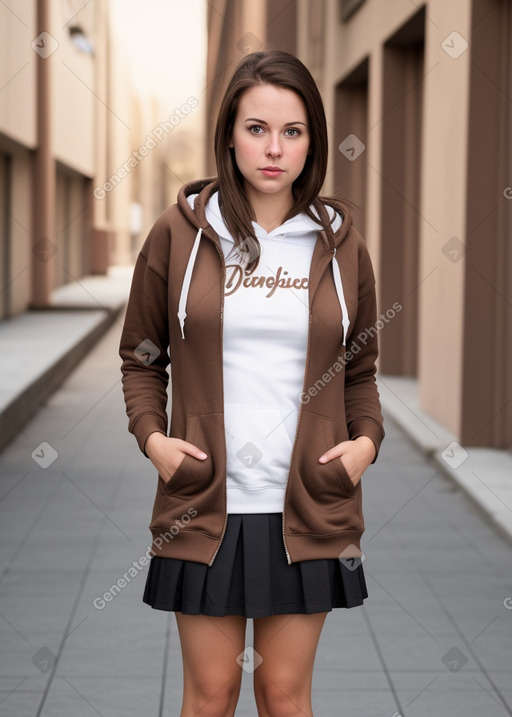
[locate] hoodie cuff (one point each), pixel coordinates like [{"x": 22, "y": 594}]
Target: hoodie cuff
[
  {"x": 367, "y": 427},
  {"x": 147, "y": 424}
]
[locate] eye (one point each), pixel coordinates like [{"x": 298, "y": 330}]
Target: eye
[
  {"x": 254, "y": 129},
  {"x": 296, "y": 132}
]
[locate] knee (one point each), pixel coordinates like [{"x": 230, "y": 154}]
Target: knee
[
  {"x": 280, "y": 694},
  {"x": 215, "y": 696}
]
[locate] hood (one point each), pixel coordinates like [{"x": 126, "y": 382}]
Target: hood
[
  {"x": 199, "y": 202},
  {"x": 298, "y": 224}
]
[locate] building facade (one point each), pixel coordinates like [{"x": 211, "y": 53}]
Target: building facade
[
  {"x": 417, "y": 97},
  {"x": 76, "y": 159}
]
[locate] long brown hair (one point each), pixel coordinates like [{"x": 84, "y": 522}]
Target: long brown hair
[{"x": 273, "y": 67}]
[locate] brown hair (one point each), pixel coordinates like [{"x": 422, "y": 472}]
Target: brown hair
[{"x": 273, "y": 67}]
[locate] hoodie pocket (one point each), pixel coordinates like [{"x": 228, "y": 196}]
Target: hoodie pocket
[
  {"x": 193, "y": 474},
  {"x": 324, "y": 481}
]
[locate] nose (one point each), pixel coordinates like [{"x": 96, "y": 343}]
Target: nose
[{"x": 274, "y": 146}]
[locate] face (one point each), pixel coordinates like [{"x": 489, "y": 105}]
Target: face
[{"x": 271, "y": 140}]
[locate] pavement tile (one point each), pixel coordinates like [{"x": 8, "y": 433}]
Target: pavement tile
[
  {"x": 348, "y": 679},
  {"x": 19, "y": 703},
  {"x": 466, "y": 700},
  {"x": 354, "y": 703},
  {"x": 102, "y": 695}
]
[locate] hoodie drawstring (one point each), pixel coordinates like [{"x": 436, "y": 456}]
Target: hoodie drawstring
[
  {"x": 182, "y": 305},
  {"x": 186, "y": 283},
  {"x": 341, "y": 297}
]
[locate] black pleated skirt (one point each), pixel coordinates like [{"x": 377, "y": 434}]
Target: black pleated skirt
[{"x": 251, "y": 576}]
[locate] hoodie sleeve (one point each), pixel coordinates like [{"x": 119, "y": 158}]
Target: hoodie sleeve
[
  {"x": 145, "y": 338},
  {"x": 362, "y": 404}
]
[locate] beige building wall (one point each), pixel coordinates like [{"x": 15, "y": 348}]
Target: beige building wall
[
  {"x": 73, "y": 92},
  {"x": 69, "y": 121},
  {"x": 121, "y": 139},
  {"x": 443, "y": 203},
  {"x": 102, "y": 238},
  {"x": 16, "y": 284},
  {"x": 17, "y": 139},
  {"x": 18, "y": 73}
]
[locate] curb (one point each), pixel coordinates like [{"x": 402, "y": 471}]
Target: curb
[{"x": 22, "y": 407}]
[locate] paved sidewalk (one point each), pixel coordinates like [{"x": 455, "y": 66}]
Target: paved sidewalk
[{"x": 434, "y": 637}]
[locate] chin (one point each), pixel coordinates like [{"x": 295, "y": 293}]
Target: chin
[{"x": 271, "y": 185}]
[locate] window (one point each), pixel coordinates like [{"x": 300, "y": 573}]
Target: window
[{"x": 79, "y": 19}]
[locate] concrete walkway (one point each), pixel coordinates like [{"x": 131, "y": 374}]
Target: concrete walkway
[{"x": 434, "y": 637}]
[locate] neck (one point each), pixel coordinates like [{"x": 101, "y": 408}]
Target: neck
[{"x": 270, "y": 209}]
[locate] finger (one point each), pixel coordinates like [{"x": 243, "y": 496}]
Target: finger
[
  {"x": 329, "y": 455},
  {"x": 335, "y": 452},
  {"x": 189, "y": 448},
  {"x": 193, "y": 450}
]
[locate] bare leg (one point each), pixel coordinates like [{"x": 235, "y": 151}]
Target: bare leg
[
  {"x": 287, "y": 644},
  {"x": 211, "y": 674}
]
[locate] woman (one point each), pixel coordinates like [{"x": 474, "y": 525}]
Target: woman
[{"x": 251, "y": 286}]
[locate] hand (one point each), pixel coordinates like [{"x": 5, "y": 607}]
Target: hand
[
  {"x": 357, "y": 456},
  {"x": 166, "y": 453}
]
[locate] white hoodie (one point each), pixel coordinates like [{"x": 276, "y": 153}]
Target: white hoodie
[{"x": 266, "y": 316}]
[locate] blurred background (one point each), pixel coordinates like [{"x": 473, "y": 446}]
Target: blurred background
[{"x": 106, "y": 108}]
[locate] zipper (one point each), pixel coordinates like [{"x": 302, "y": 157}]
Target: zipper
[
  {"x": 222, "y": 383},
  {"x": 297, "y": 430},
  {"x": 298, "y": 422}
]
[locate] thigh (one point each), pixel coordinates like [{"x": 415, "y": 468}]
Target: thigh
[
  {"x": 287, "y": 646},
  {"x": 210, "y": 647}
]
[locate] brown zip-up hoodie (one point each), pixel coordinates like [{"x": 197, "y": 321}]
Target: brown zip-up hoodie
[{"x": 322, "y": 515}]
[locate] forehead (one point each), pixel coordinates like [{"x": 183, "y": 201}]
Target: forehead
[{"x": 272, "y": 104}]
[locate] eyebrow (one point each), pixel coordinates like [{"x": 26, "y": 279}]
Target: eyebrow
[{"x": 260, "y": 121}]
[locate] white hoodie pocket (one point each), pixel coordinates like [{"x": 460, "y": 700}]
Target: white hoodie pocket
[{"x": 259, "y": 443}]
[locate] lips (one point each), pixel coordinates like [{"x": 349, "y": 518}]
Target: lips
[{"x": 271, "y": 171}]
